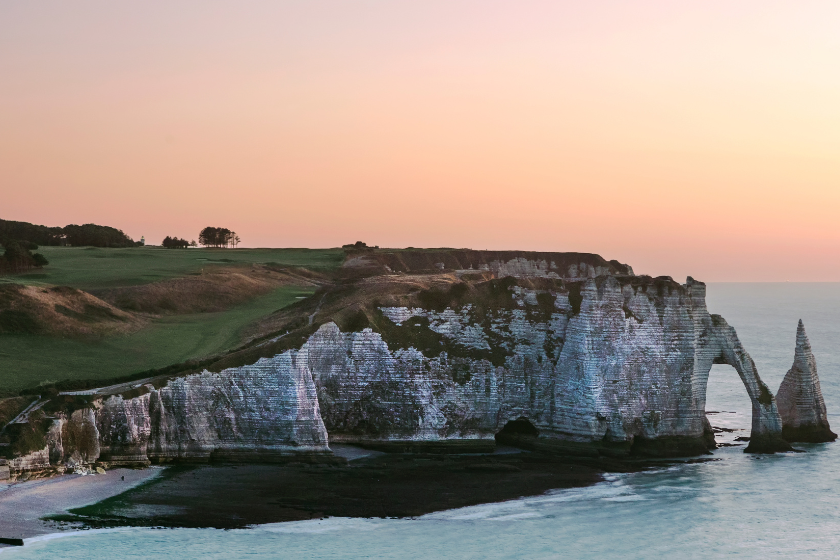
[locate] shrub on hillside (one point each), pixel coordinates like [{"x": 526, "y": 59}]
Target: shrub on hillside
[{"x": 18, "y": 258}]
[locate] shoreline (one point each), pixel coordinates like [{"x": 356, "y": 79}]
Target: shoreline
[
  {"x": 235, "y": 495},
  {"x": 24, "y": 504},
  {"x": 371, "y": 484}
]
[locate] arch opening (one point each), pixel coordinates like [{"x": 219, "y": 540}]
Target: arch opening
[
  {"x": 728, "y": 407},
  {"x": 723, "y": 347}
]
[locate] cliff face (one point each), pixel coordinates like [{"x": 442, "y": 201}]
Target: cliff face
[
  {"x": 610, "y": 364},
  {"x": 621, "y": 365},
  {"x": 800, "y": 398},
  {"x": 261, "y": 412}
]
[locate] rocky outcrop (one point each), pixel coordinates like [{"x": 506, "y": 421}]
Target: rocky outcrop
[{"x": 800, "y": 398}]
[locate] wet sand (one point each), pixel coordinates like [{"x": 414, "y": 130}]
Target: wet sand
[{"x": 23, "y": 504}]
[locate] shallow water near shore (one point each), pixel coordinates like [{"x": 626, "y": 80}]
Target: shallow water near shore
[{"x": 785, "y": 505}]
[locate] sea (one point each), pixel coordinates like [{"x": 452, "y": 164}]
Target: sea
[{"x": 732, "y": 505}]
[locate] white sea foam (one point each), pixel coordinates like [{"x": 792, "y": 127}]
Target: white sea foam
[
  {"x": 326, "y": 525},
  {"x": 68, "y": 534},
  {"x": 610, "y": 490}
]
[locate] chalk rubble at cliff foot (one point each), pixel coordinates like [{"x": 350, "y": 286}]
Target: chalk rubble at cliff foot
[{"x": 800, "y": 398}]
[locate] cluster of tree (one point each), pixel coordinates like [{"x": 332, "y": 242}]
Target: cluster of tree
[
  {"x": 218, "y": 237},
  {"x": 18, "y": 257},
  {"x": 87, "y": 234},
  {"x": 359, "y": 246},
  {"x": 177, "y": 243},
  {"x": 96, "y": 236}
]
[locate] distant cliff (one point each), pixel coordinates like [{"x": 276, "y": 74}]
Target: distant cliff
[{"x": 571, "y": 359}]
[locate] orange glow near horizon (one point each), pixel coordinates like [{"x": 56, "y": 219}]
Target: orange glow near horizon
[{"x": 696, "y": 139}]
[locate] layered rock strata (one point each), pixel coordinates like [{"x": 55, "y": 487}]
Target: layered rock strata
[
  {"x": 625, "y": 372},
  {"x": 801, "y": 403},
  {"x": 262, "y": 412}
]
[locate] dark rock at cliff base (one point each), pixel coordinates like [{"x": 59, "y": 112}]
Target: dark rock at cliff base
[
  {"x": 800, "y": 400},
  {"x": 768, "y": 443}
]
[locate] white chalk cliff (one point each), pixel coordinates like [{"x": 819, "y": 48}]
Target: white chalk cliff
[{"x": 609, "y": 364}]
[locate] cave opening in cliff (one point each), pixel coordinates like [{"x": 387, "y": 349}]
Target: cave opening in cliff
[{"x": 517, "y": 432}]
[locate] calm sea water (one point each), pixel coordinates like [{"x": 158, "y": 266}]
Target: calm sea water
[{"x": 738, "y": 505}]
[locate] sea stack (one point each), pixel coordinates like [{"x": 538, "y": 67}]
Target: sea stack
[{"x": 800, "y": 399}]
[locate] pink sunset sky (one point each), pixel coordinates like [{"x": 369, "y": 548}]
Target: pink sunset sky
[{"x": 697, "y": 138}]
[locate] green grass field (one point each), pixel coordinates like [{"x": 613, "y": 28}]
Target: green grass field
[
  {"x": 28, "y": 360},
  {"x": 91, "y": 268}
]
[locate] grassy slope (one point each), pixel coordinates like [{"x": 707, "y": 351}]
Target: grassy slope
[
  {"x": 27, "y": 360},
  {"x": 90, "y": 268}
]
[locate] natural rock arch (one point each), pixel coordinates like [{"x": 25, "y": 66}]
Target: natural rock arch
[{"x": 722, "y": 346}]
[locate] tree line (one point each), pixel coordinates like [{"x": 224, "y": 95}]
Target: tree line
[
  {"x": 76, "y": 235},
  {"x": 20, "y": 238}
]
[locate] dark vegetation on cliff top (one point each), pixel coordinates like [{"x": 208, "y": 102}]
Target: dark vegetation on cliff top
[{"x": 435, "y": 260}]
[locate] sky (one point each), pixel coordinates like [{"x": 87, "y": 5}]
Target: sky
[{"x": 684, "y": 138}]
